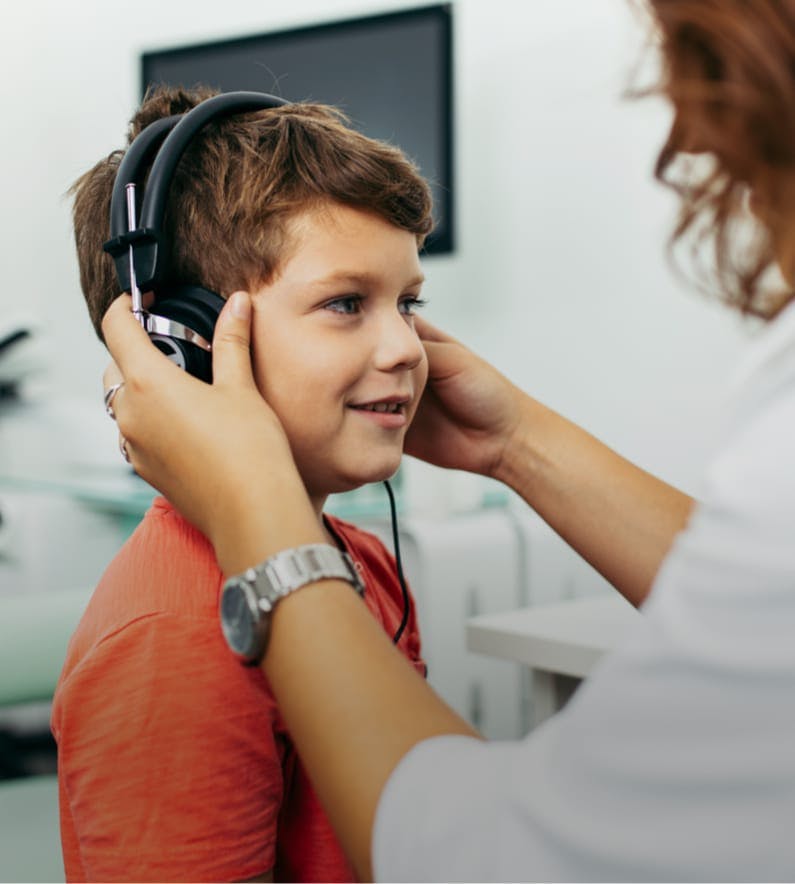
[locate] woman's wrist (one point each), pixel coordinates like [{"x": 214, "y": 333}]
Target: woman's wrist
[
  {"x": 518, "y": 453},
  {"x": 271, "y": 514}
]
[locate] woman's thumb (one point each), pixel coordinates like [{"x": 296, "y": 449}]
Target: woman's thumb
[{"x": 232, "y": 342}]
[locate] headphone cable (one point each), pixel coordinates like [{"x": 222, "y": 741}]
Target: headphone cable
[{"x": 401, "y": 580}]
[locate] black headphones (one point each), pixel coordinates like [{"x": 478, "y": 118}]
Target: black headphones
[{"x": 181, "y": 321}]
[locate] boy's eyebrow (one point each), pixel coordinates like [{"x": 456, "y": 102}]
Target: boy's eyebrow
[{"x": 356, "y": 278}]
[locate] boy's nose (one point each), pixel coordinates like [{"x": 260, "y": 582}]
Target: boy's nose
[{"x": 398, "y": 344}]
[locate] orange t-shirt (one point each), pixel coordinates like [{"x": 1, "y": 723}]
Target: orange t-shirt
[{"x": 173, "y": 761}]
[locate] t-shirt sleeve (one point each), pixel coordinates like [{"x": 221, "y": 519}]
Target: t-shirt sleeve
[{"x": 169, "y": 756}]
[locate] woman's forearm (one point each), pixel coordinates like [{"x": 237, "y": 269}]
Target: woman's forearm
[
  {"x": 353, "y": 705},
  {"x": 618, "y": 517}
]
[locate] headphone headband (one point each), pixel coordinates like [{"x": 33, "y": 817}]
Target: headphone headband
[
  {"x": 131, "y": 171},
  {"x": 174, "y": 134}
]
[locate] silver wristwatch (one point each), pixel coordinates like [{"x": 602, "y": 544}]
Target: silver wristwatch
[{"x": 248, "y": 599}]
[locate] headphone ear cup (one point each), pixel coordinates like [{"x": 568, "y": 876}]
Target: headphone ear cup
[{"x": 198, "y": 309}]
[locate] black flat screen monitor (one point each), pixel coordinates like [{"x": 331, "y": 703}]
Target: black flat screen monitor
[{"x": 391, "y": 74}]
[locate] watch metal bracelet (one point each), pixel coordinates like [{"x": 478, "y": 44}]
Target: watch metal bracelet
[{"x": 293, "y": 568}]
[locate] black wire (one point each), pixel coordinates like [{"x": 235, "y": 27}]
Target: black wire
[{"x": 396, "y": 542}]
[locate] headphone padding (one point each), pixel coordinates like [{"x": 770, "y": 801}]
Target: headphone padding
[
  {"x": 193, "y": 306},
  {"x": 198, "y": 309}
]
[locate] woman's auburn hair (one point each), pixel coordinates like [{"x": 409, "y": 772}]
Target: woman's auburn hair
[
  {"x": 728, "y": 69},
  {"x": 236, "y": 188}
]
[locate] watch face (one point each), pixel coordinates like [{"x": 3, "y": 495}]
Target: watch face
[{"x": 237, "y": 621}]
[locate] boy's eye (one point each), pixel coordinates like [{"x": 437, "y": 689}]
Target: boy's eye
[
  {"x": 409, "y": 306},
  {"x": 347, "y": 305}
]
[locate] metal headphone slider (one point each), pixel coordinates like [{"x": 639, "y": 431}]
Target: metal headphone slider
[{"x": 119, "y": 249}]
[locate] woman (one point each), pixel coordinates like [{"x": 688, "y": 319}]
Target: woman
[{"x": 674, "y": 761}]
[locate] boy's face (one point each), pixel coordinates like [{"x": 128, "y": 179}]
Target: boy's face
[{"x": 333, "y": 336}]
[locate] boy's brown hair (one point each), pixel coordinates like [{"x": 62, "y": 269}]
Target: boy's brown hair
[{"x": 237, "y": 186}]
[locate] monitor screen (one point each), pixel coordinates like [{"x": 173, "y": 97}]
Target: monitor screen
[{"x": 391, "y": 74}]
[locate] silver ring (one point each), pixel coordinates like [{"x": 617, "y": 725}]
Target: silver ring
[
  {"x": 123, "y": 448},
  {"x": 109, "y": 394}
]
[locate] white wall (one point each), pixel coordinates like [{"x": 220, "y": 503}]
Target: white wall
[{"x": 559, "y": 276}]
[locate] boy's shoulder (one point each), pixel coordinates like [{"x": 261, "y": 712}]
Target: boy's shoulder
[
  {"x": 166, "y": 567},
  {"x": 372, "y": 558},
  {"x": 361, "y": 543}
]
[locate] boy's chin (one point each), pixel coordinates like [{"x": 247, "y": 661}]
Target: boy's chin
[{"x": 351, "y": 482}]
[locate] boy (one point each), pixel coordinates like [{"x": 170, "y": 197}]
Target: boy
[{"x": 174, "y": 763}]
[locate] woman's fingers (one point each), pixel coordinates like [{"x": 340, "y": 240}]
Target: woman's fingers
[
  {"x": 428, "y": 332},
  {"x": 232, "y": 343},
  {"x": 124, "y": 448},
  {"x": 112, "y": 375},
  {"x": 141, "y": 381},
  {"x": 127, "y": 341},
  {"x": 134, "y": 355}
]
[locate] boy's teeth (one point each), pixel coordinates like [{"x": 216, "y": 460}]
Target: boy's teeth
[{"x": 381, "y": 406}]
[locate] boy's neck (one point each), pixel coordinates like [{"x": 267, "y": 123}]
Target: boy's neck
[{"x": 318, "y": 502}]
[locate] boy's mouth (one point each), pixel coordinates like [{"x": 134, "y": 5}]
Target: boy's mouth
[
  {"x": 382, "y": 407},
  {"x": 392, "y": 407}
]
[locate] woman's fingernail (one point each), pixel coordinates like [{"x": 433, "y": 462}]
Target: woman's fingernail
[{"x": 240, "y": 305}]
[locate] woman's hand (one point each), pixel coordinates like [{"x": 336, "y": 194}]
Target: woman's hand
[
  {"x": 468, "y": 412},
  {"x": 216, "y": 451}
]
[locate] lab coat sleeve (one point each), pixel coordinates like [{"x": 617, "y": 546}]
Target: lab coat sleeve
[
  {"x": 660, "y": 768},
  {"x": 443, "y": 810}
]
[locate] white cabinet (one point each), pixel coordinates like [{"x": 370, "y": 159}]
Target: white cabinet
[{"x": 457, "y": 567}]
